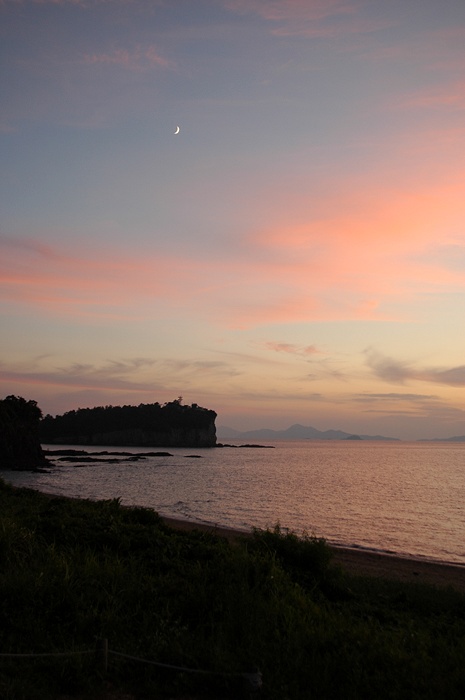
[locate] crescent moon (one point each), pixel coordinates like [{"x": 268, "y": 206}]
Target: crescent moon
[{"x": 177, "y": 130}]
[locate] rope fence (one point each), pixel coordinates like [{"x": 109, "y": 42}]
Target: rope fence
[
  {"x": 50, "y": 653},
  {"x": 252, "y": 677}
]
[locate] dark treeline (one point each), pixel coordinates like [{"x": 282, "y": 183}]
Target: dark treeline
[
  {"x": 170, "y": 423},
  {"x": 19, "y": 434}
]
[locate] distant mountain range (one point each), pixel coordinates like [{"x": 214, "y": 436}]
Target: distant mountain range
[{"x": 294, "y": 432}]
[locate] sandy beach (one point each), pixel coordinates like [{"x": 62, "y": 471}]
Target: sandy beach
[
  {"x": 356, "y": 561},
  {"x": 362, "y": 562}
]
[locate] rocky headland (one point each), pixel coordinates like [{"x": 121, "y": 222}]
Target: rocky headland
[{"x": 147, "y": 425}]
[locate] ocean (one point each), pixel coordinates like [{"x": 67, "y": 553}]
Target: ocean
[{"x": 405, "y": 498}]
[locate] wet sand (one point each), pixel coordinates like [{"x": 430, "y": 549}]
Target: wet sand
[{"x": 364, "y": 563}]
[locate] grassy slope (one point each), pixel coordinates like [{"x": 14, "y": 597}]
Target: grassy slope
[{"x": 74, "y": 571}]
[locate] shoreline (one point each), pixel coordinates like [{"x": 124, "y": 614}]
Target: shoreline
[
  {"x": 356, "y": 562},
  {"x": 360, "y": 562}
]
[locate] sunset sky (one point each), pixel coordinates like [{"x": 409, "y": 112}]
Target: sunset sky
[{"x": 296, "y": 254}]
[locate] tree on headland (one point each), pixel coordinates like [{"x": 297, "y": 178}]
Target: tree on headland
[
  {"x": 168, "y": 424},
  {"x": 19, "y": 434}
]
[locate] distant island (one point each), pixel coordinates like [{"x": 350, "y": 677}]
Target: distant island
[
  {"x": 294, "y": 432},
  {"x": 170, "y": 424},
  {"x": 455, "y": 438}
]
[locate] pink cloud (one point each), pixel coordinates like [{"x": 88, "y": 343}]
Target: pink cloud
[
  {"x": 365, "y": 249},
  {"x": 152, "y": 56},
  {"x": 81, "y": 282},
  {"x": 362, "y": 255}
]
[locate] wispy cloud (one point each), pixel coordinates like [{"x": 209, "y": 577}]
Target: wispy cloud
[
  {"x": 313, "y": 18},
  {"x": 442, "y": 97},
  {"x": 116, "y": 375},
  {"x": 79, "y": 283},
  {"x": 82, "y": 3},
  {"x": 29, "y": 246},
  {"x": 193, "y": 367},
  {"x": 393, "y": 396},
  {"x": 442, "y": 416},
  {"x": 449, "y": 257},
  {"x": 7, "y": 128},
  {"x": 291, "y": 349},
  {"x": 286, "y": 10},
  {"x": 145, "y": 375},
  {"x": 398, "y": 372},
  {"x": 136, "y": 59}
]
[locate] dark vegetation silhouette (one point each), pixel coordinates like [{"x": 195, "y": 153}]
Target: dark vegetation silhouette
[
  {"x": 75, "y": 571},
  {"x": 19, "y": 434},
  {"x": 170, "y": 424}
]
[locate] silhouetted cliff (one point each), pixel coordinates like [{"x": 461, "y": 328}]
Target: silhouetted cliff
[
  {"x": 146, "y": 425},
  {"x": 19, "y": 434}
]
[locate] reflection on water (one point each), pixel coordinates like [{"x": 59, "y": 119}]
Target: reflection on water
[{"x": 400, "y": 497}]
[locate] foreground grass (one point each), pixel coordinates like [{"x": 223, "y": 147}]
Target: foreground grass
[{"x": 73, "y": 572}]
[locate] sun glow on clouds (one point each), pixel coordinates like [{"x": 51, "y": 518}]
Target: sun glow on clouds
[
  {"x": 354, "y": 257},
  {"x": 311, "y": 207},
  {"x": 380, "y": 247}
]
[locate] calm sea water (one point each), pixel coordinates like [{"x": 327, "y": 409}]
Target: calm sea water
[{"x": 405, "y": 498}]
